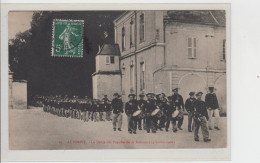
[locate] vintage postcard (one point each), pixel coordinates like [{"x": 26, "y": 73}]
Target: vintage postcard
[{"x": 118, "y": 79}]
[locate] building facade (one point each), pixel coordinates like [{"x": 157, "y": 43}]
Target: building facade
[{"x": 162, "y": 50}]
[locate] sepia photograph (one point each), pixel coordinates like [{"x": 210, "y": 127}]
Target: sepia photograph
[{"x": 117, "y": 79}]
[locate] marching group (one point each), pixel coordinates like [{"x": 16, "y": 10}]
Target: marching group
[
  {"x": 83, "y": 109},
  {"x": 154, "y": 113}
]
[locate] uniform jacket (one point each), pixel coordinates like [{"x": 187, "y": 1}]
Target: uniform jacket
[
  {"x": 131, "y": 107},
  {"x": 106, "y": 106},
  {"x": 189, "y": 104},
  {"x": 200, "y": 109},
  {"x": 95, "y": 108},
  {"x": 178, "y": 100},
  {"x": 211, "y": 101},
  {"x": 159, "y": 103},
  {"x": 117, "y": 106},
  {"x": 150, "y": 106},
  {"x": 170, "y": 108},
  {"x": 142, "y": 104}
]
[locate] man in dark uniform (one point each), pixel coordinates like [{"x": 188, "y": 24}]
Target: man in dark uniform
[
  {"x": 190, "y": 110},
  {"x": 178, "y": 100},
  {"x": 59, "y": 105},
  {"x": 88, "y": 109},
  {"x": 84, "y": 108},
  {"x": 101, "y": 110},
  {"x": 44, "y": 104},
  {"x": 169, "y": 109},
  {"x": 73, "y": 105},
  {"x": 200, "y": 118},
  {"x": 150, "y": 107},
  {"x": 96, "y": 109},
  {"x": 107, "y": 108},
  {"x": 117, "y": 107},
  {"x": 91, "y": 110},
  {"x": 130, "y": 107},
  {"x": 56, "y": 105},
  {"x": 213, "y": 108},
  {"x": 142, "y": 106},
  {"x": 66, "y": 105},
  {"x": 163, "y": 106},
  {"x": 62, "y": 106},
  {"x": 159, "y": 104},
  {"x": 77, "y": 108}
]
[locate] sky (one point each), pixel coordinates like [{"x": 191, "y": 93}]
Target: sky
[{"x": 18, "y": 22}]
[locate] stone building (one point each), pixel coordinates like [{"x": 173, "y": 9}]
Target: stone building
[
  {"x": 107, "y": 78},
  {"x": 162, "y": 50}
]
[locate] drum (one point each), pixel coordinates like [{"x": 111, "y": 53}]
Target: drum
[
  {"x": 180, "y": 115},
  {"x": 159, "y": 114},
  {"x": 175, "y": 113},
  {"x": 155, "y": 112},
  {"x": 137, "y": 113}
]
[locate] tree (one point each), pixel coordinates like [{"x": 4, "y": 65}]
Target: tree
[
  {"x": 18, "y": 54},
  {"x": 52, "y": 75}
]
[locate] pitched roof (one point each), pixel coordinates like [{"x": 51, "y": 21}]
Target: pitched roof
[
  {"x": 109, "y": 49},
  {"x": 207, "y": 17}
]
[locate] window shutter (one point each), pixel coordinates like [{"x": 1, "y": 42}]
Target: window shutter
[
  {"x": 107, "y": 60},
  {"x": 189, "y": 42},
  {"x": 123, "y": 38},
  {"x": 141, "y": 26},
  {"x": 194, "y": 47},
  {"x": 189, "y": 47},
  {"x": 224, "y": 50}
]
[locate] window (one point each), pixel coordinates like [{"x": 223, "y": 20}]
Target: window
[
  {"x": 142, "y": 79},
  {"x": 192, "y": 47},
  {"x": 132, "y": 76},
  {"x": 223, "y": 57},
  {"x": 107, "y": 59},
  {"x": 123, "y": 39},
  {"x": 110, "y": 60},
  {"x": 141, "y": 28},
  {"x": 157, "y": 36},
  {"x": 123, "y": 78},
  {"x": 131, "y": 33}
]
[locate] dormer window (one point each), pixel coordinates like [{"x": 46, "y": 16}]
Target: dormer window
[{"x": 110, "y": 60}]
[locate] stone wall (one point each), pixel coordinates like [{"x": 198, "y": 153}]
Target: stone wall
[
  {"x": 104, "y": 84},
  {"x": 18, "y": 98}
]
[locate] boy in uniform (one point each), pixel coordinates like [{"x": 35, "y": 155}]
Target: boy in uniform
[
  {"x": 190, "y": 110},
  {"x": 142, "y": 106},
  {"x": 117, "y": 108},
  {"x": 130, "y": 107},
  {"x": 213, "y": 108},
  {"x": 200, "y": 118},
  {"x": 150, "y": 107},
  {"x": 178, "y": 101}
]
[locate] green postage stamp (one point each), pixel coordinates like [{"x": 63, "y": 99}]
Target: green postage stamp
[{"x": 67, "y": 38}]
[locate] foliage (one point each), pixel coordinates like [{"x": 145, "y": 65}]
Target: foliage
[{"x": 30, "y": 53}]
